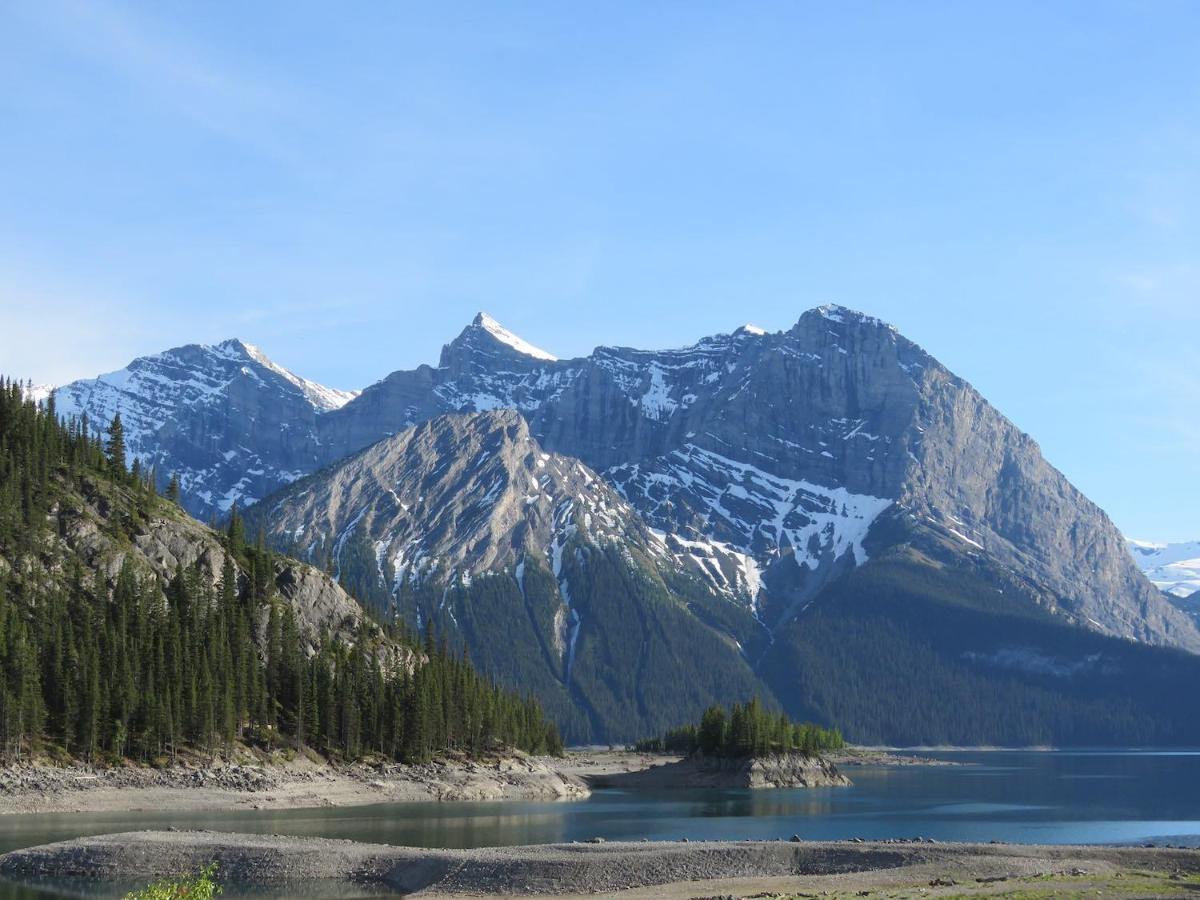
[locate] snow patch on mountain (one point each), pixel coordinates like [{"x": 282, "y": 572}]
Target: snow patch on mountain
[
  {"x": 843, "y": 314},
  {"x": 725, "y": 505},
  {"x": 322, "y": 397},
  {"x": 730, "y": 571},
  {"x": 525, "y": 391},
  {"x": 502, "y": 334},
  {"x": 1173, "y": 568}
]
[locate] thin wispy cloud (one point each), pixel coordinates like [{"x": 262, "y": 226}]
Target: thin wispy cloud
[{"x": 182, "y": 77}]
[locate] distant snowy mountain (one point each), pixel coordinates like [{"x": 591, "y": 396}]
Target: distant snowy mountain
[
  {"x": 39, "y": 393},
  {"x": 230, "y": 422},
  {"x": 1174, "y": 568}
]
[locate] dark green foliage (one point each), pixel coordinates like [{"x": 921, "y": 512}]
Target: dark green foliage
[
  {"x": 748, "y": 729},
  {"x": 173, "y": 493},
  {"x": 643, "y": 656},
  {"x": 652, "y": 663},
  {"x": 904, "y": 652},
  {"x": 116, "y": 447},
  {"x": 358, "y": 571},
  {"x": 509, "y": 636},
  {"x": 140, "y": 668}
]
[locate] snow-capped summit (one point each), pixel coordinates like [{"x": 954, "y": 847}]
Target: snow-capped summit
[
  {"x": 834, "y": 312},
  {"x": 322, "y": 397},
  {"x": 502, "y": 334},
  {"x": 230, "y": 422},
  {"x": 1174, "y": 568}
]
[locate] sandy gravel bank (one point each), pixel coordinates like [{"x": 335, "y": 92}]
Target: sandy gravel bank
[{"x": 670, "y": 869}]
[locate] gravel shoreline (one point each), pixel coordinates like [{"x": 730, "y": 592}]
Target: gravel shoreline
[
  {"x": 297, "y": 784},
  {"x": 250, "y": 783},
  {"x": 572, "y": 869}
]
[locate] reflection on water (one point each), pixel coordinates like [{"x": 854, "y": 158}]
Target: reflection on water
[{"x": 1054, "y": 797}]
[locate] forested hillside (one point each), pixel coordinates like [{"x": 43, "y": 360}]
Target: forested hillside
[{"x": 129, "y": 630}]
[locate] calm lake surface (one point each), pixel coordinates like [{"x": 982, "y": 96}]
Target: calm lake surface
[{"x": 1059, "y": 797}]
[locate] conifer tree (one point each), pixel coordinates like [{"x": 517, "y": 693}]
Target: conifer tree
[
  {"x": 116, "y": 446},
  {"x": 173, "y": 488}
]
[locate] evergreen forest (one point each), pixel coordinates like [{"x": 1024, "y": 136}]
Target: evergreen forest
[{"x": 102, "y": 660}]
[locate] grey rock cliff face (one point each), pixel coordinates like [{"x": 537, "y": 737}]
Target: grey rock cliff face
[
  {"x": 976, "y": 475},
  {"x": 167, "y": 543},
  {"x": 456, "y": 496}
]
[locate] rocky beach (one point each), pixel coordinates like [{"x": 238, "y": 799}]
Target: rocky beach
[
  {"x": 283, "y": 785},
  {"x": 277, "y": 865}
]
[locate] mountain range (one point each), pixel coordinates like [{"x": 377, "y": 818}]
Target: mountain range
[{"x": 825, "y": 516}]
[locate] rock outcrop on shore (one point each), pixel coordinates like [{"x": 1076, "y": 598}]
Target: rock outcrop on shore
[
  {"x": 788, "y": 770},
  {"x": 275, "y": 861}
]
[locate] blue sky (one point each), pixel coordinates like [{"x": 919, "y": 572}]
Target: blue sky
[{"x": 1014, "y": 185}]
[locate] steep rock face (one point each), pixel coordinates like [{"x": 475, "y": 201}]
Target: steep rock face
[
  {"x": 453, "y": 497},
  {"x": 233, "y": 425},
  {"x": 529, "y": 559},
  {"x": 170, "y": 541},
  {"x": 974, "y": 474}
]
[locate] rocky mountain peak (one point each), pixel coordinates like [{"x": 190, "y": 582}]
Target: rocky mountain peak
[
  {"x": 765, "y": 459},
  {"x": 228, "y": 420},
  {"x": 453, "y": 497},
  {"x": 844, "y": 315},
  {"x": 750, "y": 330},
  {"x": 485, "y": 340}
]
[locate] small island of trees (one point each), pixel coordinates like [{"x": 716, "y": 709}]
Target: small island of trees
[{"x": 747, "y": 729}]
